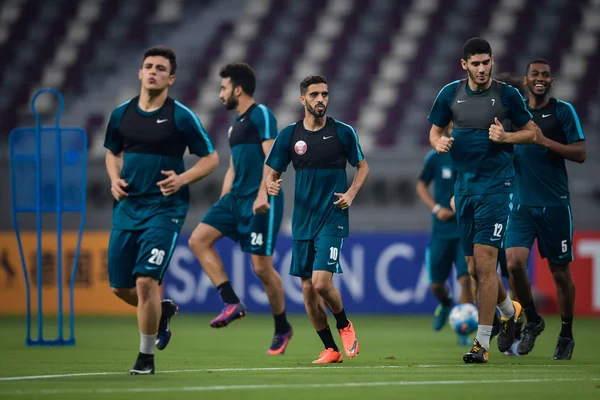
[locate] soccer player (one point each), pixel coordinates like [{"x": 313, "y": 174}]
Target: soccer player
[
  {"x": 245, "y": 212},
  {"x": 481, "y": 152},
  {"x": 319, "y": 148},
  {"x": 145, "y": 140},
  {"x": 541, "y": 207},
  {"x": 444, "y": 247}
]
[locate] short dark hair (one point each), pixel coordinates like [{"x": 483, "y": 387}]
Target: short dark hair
[
  {"x": 514, "y": 81},
  {"x": 474, "y": 46},
  {"x": 242, "y": 75},
  {"x": 311, "y": 80},
  {"x": 536, "y": 61},
  {"x": 165, "y": 52}
]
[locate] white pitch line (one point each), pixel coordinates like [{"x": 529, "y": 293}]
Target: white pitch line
[
  {"x": 257, "y": 369},
  {"x": 288, "y": 386}
]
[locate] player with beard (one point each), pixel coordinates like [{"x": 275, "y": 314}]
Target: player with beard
[
  {"x": 245, "y": 213},
  {"x": 541, "y": 206},
  {"x": 319, "y": 148},
  {"x": 481, "y": 152}
]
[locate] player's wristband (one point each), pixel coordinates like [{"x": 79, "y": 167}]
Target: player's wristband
[{"x": 435, "y": 209}]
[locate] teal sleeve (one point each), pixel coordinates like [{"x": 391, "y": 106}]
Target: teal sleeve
[
  {"x": 265, "y": 122},
  {"x": 566, "y": 114},
  {"x": 441, "y": 113},
  {"x": 113, "y": 140},
  {"x": 428, "y": 172},
  {"x": 349, "y": 138},
  {"x": 279, "y": 156},
  {"x": 515, "y": 105},
  {"x": 188, "y": 123}
]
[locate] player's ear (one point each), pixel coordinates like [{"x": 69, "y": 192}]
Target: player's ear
[
  {"x": 463, "y": 63},
  {"x": 303, "y": 100},
  {"x": 492, "y": 60},
  {"x": 140, "y": 74},
  {"x": 237, "y": 91},
  {"x": 171, "y": 79}
]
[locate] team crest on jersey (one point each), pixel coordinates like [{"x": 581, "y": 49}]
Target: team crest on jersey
[
  {"x": 446, "y": 173},
  {"x": 300, "y": 147},
  {"x": 229, "y": 131}
]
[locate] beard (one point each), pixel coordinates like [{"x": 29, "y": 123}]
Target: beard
[
  {"x": 473, "y": 77},
  {"x": 316, "y": 113},
  {"x": 230, "y": 103}
]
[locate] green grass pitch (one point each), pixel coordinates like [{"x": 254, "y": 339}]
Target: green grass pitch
[{"x": 400, "y": 358}]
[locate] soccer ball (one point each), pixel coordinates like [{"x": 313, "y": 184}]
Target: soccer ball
[{"x": 463, "y": 318}]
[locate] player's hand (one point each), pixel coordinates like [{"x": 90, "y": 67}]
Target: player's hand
[
  {"x": 261, "y": 204},
  {"x": 444, "y": 144},
  {"x": 497, "y": 133},
  {"x": 445, "y": 214},
  {"x": 274, "y": 187},
  {"x": 540, "y": 138},
  {"x": 170, "y": 185},
  {"x": 344, "y": 200},
  {"x": 116, "y": 189},
  {"x": 452, "y": 205}
]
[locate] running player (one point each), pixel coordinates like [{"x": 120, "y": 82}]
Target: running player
[
  {"x": 319, "y": 148},
  {"x": 245, "y": 213},
  {"x": 541, "y": 206},
  {"x": 145, "y": 140},
  {"x": 481, "y": 152}
]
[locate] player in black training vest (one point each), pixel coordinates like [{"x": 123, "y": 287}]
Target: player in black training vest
[
  {"x": 319, "y": 147},
  {"x": 145, "y": 140}
]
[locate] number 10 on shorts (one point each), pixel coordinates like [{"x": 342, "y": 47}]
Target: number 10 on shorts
[{"x": 333, "y": 253}]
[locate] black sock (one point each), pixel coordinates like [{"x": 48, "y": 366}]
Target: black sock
[
  {"x": 566, "y": 329},
  {"x": 327, "y": 339},
  {"x": 227, "y": 293},
  {"x": 531, "y": 313},
  {"x": 341, "y": 320},
  {"x": 281, "y": 323},
  {"x": 447, "y": 301}
]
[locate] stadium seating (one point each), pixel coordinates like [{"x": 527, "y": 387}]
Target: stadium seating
[{"x": 385, "y": 59}]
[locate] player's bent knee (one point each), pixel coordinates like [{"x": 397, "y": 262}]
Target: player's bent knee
[
  {"x": 262, "y": 265},
  {"x": 202, "y": 237},
  {"x": 146, "y": 286},
  {"x": 560, "y": 272}
]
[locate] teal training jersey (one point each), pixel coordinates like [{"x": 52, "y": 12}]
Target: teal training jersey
[
  {"x": 153, "y": 142},
  {"x": 439, "y": 170},
  {"x": 541, "y": 176},
  {"x": 246, "y": 135},
  {"x": 320, "y": 160},
  {"x": 482, "y": 166}
]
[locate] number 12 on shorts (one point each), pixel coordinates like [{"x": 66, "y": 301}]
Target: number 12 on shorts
[{"x": 498, "y": 230}]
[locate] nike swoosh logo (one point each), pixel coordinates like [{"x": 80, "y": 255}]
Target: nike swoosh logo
[
  {"x": 563, "y": 255},
  {"x": 353, "y": 349},
  {"x": 255, "y": 248},
  {"x": 160, "y": 121},
  {"x": 331, "y": 263},
  {"x": 495, "y": 239},
  {"x": 151, "y": 268},
  {"x": 546, "y": 115},
  {"x": 461, "y": 101},
  {"x": 327, "y": 137}
]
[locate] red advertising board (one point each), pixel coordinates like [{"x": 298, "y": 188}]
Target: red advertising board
[{"x": 585, "y": 270}]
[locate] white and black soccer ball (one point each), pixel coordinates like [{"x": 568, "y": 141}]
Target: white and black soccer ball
[{"x": 464, "y": 318}]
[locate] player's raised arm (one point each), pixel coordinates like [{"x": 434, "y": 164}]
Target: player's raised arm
[
  {"x": 519, "y": 116},
  {"x": 113, "y": 142},
  {"x": 440, "y": 116},
  {"x": 199, "y": 144},
  {"x": 574, "y": 150}
]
